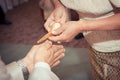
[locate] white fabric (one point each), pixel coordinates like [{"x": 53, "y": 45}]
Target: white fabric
[
  {"x": 15, "y": 71},
  {"x": 115, "y": 2},
  {"x": 42, "y": 71},
  {"x": 103, "y": 41},
  {"x": 42, "y": 64}
]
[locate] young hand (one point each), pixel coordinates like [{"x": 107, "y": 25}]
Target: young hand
[
  {"x": 66, "y": 32},
  {"x": 60, "y": 15}
]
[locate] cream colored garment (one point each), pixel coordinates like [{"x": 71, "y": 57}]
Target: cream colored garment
[
  {"x": 103, "y": 41},
  {"x": 42, "y": 71},
  {"x": 13, "y": 71}
]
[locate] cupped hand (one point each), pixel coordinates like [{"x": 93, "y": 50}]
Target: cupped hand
[
  {"x": 45, "y": 52},
  {"x": 60, "y": 15},
  {"x": 49, "y": 53}
]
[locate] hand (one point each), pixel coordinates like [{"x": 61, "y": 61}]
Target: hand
[
  {"x": 66, "y": 32},
  {"x": 49, "y": 53},
  {"x": 45, "y": 52},
  {"x": 60, "y": 15}
]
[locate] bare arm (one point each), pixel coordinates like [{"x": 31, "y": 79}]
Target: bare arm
[
  {"x": 71, "y": 28},
  {"x": 109, "y": 23}
]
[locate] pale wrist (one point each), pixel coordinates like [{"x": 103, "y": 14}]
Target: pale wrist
[{"x": 83, "y": 25}]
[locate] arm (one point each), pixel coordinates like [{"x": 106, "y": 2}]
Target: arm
[
  {"x": 110, "y": 23},
  {"x": 71, "y": 28}
]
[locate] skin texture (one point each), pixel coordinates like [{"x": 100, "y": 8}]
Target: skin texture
[
  {"x": 45, "y": 52},
  {"x": 59, "y": 15},
  {"x": 69, "y": 29}
]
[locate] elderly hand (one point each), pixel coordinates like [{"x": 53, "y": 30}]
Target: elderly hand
[
  {"x": 49, "y": 53},
  {"x": 45, "y": 52}
]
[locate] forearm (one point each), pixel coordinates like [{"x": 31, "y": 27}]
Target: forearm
[{"x": 110, "y": 23}]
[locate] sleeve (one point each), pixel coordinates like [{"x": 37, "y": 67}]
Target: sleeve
[
  {"x": 116, "y": 3},
  {"x": 42, "y": 71},
  {"x": 15, "y": 71}
]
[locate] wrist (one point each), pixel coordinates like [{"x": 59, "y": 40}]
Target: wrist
[{"x": 83, "y": 25}]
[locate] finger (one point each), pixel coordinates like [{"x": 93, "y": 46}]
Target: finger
[
  {"x": 57, "y": 16},
  {"x": 60, "y": 38},
  {"x": 55, "y": 64},
  {"x": 60, "y": 56},
  {"x": 51, "y": 55},
  {"x": 59, "y": 52},
  {"x": 56, "y": 48},
  {"x": 63, "y": 19},
  {"x": 48, "y": 23},
  {"x": 56, "y": 38}
]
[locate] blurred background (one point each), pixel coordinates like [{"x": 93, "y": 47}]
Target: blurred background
[{"x": 27, "y": 19}]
